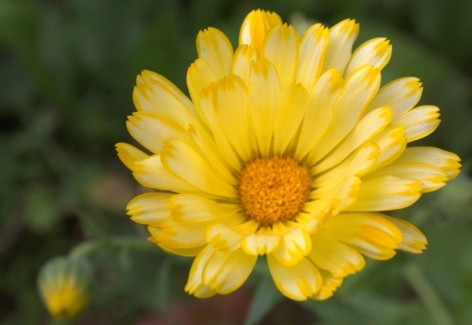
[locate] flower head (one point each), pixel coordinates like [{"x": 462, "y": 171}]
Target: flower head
[
  {"x": 288, "y": 148},
  {"x": 64, "y": 286}
]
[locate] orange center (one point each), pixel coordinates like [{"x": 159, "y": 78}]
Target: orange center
[{"x": 273, "y": 189}]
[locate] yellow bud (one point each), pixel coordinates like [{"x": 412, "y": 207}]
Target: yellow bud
[{"x": 64, "y": 286}]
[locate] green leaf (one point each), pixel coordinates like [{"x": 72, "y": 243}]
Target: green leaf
[
  {"x": 454, "y": 200},
  {"x": 42, "y": 211},
  {"x": 428, "y": 295},
  {"x": 20, "y": 27},
  {"x": 164, "y": 281},
  {"x": 265, "y": 297}
]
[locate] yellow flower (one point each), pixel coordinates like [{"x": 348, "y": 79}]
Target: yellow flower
[
  {"x": 64, "y": 286},
  {"x": 288, "y": 148}
]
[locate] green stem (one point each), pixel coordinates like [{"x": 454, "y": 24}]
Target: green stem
[
  {"x": 90, "y": 247},
  {"x": 428, "y": 295}
]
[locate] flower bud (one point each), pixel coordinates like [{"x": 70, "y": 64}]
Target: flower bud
[{"x": 64, "y": 286}]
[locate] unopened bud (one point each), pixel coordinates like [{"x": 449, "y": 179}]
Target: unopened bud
[{"x": 64, "y": 286}]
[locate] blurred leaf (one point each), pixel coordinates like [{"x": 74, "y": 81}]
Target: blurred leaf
[
  {"x": 447, "y": 26},
  {"x": 19, "y": 31},
  {"x": 42, "y": 211},
  {"x": 334, "y": 311},
  {"x": 266, "y": 296},
  {"x": 213, "y": 9},
  {"x": 448, "y": 262},
  {"x": 53, "y": 50},
  {"x": 18, "y": 20},
  {"x": 428, "y": 295},
  {"x": 16, "y": 95},
  {"x": 387, "y": 309},
  {"x": 167, "y": 60},
  {"x": 164, "y": 284},
  {"x": 88, "y": 225},
  {"x": 455, "y": 200},
  {"x": 124, "y": 258}
]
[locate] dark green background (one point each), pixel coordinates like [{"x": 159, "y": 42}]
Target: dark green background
[{"x": 67, "y": 69}]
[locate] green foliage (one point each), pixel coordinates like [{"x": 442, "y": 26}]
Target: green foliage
[
  {"x": 265, "y": 298},
  {"x": 67, "y": 69}
]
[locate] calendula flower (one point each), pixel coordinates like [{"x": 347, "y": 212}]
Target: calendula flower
[
  {"x": 64, "y": 286},
  {"x": 288, "y": 149}
]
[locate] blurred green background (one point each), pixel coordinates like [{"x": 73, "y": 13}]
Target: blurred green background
[{"x": 67, "y": 69}]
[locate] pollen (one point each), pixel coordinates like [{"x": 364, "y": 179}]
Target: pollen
[{"x": 273, "y": 189}]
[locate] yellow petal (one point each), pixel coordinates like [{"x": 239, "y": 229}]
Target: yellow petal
[
  {"x": 295, "y": 245},
  {"x": 319, "y": 112},
  {"x": 223, "y": 237},
  {"x": 329, "y": 286},
  {"x": 447, "y": 161},
  {"x": 261, "y": 243},
  {"x": 400, "y": 94},
  {"x": 369, "y": 233},
  {"x": 177, "y": 235},
  {"x": 359, "y": 89},
  {"x": 368, "y": 127},
  {"x": 432, "y": 178},
  {"x": 297, "y": 282},
  {"x": 256, "y": 26},
  {"x": 386, "y": 193},
  {"x": 315, "y": 213},
  {"x": 182, "y": 160},
  {"x": 129, "y": 154},
  {"x": 214, "y": 47},
  {"x": 419, "y": 122},
  {"x": 392, "y": 143},
  {"x": 195, "y": 284},
  {"x": 199, "y": 76},
  {"x": 191, "y": 208},
  {"x": 152, "y": 130},
  {"x": 205, "y": 145},
  {"x": 244, "y": 56},
  {"x": 264, "y": 108},
  {"x": 295, "y": 100},
  {"x": 341, "y": 38},
  {"x": 193, "y": 251},
  {"x": 151, "y": 173},
  {"x": 247, "y": 227},
  {"x": 149, "y": 208},
  {"x": 337, "y": 258},
  {"x": 376, "y": 52},
  {"x": 357, "y": 164},
  {"x": 155, "y": 94},
  {"x": 225, "y": 272},
  {"x": 230, "y": 101},
  {"x": 345, "y": 193},
  {"x": 281, "y": 48},
  {"x": 414, "y": 241},
  {"x": 207, "y": 106},
  {"x": 311, "y": 55}
]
